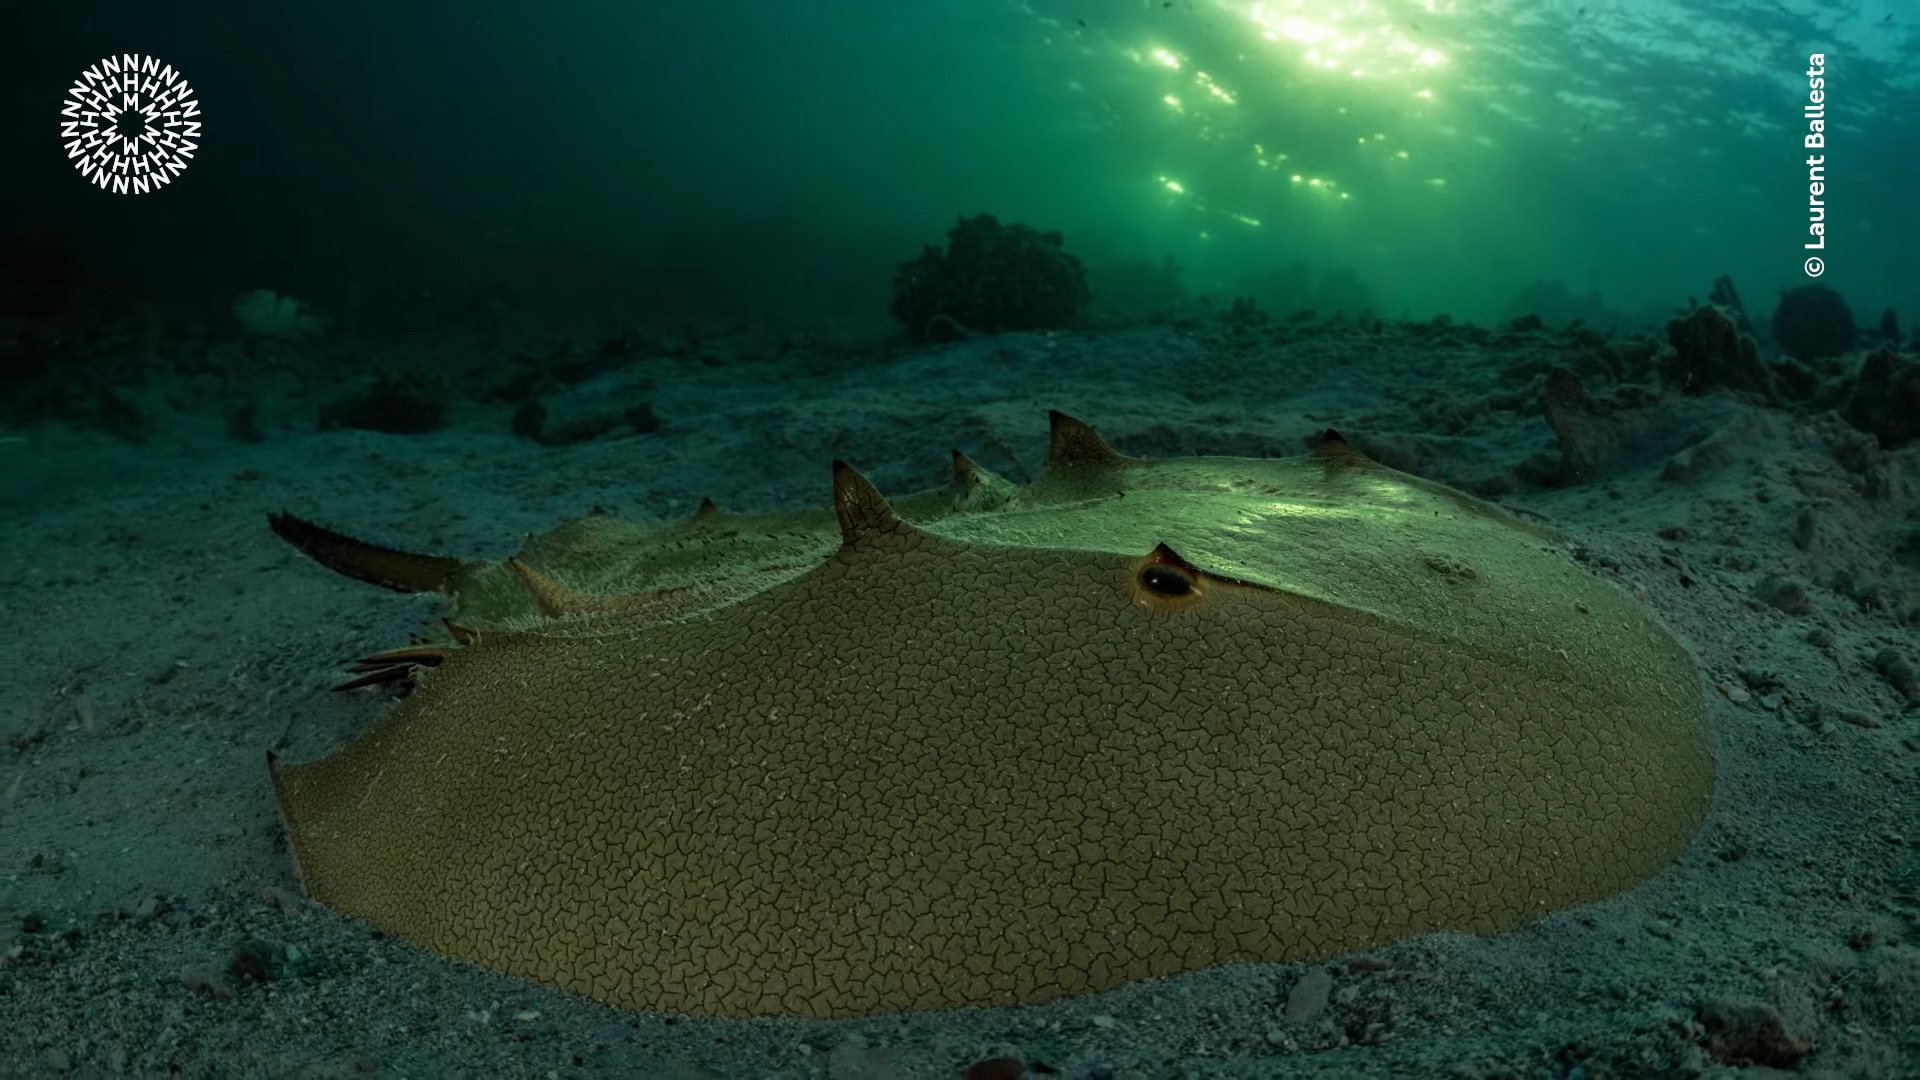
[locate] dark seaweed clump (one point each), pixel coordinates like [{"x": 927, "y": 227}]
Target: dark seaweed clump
[
  {"x": 1812, "y": 323},
  {"x": 991, "y": 278}
]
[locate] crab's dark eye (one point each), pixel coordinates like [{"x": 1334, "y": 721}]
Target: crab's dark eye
[{"x": 1165, "y": 581}]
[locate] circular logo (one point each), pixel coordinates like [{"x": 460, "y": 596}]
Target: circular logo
[
  {"x": 130, "y": 124},
  {"x": 1815, "y": 267}
]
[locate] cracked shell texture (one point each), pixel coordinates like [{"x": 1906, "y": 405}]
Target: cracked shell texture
[{"x": 1137, "y": 718}]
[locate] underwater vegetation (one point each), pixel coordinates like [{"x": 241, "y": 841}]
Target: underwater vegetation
[
  {"x": 991, "y": 278},
  {"x": 1813, "y": 322}
]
